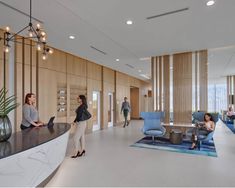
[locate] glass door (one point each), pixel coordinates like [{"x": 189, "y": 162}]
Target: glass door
[
  {"x": 96, "y": 110},
  {"x": 110, "y": 109}
]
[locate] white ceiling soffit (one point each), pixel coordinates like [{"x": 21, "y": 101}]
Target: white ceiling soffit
[
  {"x": 221, "y": 62},
  {"x": 102, "y": 24}
]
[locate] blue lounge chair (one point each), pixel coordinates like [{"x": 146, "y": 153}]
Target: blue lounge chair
[{"x": 152, "y": 124}]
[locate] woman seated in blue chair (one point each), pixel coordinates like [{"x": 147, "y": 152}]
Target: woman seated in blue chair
[{"x": 202, "y": 128}]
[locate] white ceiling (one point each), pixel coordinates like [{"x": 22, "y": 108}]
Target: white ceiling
[
  {"x": 101, "y": 23},
  {"x": 221, "y": 62}
]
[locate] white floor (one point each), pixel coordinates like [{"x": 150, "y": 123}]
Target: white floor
[{"x": 110, "y": 161}]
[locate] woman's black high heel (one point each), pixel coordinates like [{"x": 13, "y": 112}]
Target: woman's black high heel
[
  {"x": 81, "y": 154},
  {"x": 192, "y": 148},
  {"x": 77, "y": 155}
]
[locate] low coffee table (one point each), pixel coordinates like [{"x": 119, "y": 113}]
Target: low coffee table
[{"x": 176, "y": 136}]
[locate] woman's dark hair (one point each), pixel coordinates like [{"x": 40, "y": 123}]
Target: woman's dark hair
[
  {"x": 28, "y": 95},
  {"x": 83, "y": 98},
  {"x": 208, "y": 114}
]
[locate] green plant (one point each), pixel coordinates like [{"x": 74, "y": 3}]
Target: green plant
[{"x": 7, "y": 104}]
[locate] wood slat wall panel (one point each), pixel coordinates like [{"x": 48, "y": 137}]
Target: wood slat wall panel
[
  {"x": 160, "y": 83},
  {"x": 203, "y": 83},
  {"x": 166, "y": 92},
  {"x": 108, "y": 75},
  {"x": 122, "y": 79},
  {"x": 94, "y": 71},
  {"x": 182, "y": 83}
]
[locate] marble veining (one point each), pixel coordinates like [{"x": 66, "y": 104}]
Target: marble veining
[
  {"x": 30, "y": 167},
  {"x": 29, "y": 138}
]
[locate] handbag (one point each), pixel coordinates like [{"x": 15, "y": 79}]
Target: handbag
[{"x": 85, "y": 115}]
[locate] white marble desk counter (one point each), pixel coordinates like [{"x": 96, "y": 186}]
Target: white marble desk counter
[{"x": 29, "y": 157}]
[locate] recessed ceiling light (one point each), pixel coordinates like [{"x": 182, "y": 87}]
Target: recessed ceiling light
[
  {"x": 139, "y": 70},
  {"x": 72, "y": 37},
  {"x": 129, "y": 22},
  {"x": 117, "y": 59},
  {"x": 145, "y": 76},
  {"x": 145, "y": 58},
  {"x": 210, "y": 3}
]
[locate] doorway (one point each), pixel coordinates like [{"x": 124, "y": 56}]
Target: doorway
[
  {"x": 110, "y": 109},
  {"x": 96, "y": 110},
  {"x": 134, "y": 100}
]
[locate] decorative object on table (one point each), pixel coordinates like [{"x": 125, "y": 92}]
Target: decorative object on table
[
  {"x": 163, "y": 143},
  {"x": 7, "y": 104},
  {"x": 34, "y": 33},
  {"x": 176, "y": 136}
]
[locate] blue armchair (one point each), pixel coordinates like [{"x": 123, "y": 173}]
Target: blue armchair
[
  {"x": 152, "y": 124},
  {"x": 199, "y": 117}
]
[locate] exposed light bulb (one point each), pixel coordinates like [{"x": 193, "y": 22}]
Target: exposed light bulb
[
  {"x": 38, "y": 26},
  {"x": 44, "y": 56},
  {"x": 51, "y": 51},
  {"x": 7, "y": 49},
  {"x": 43, "y": 33},
  {"x": 30, "y": 33},
  {"x": 7, "y": 29},
  {"x": 39, "y": 47},
  {"x": 44, "y": 39}
]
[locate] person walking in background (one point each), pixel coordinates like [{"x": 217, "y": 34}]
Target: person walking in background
[
  {"x": 125, "y": 109},
  {"x": 80, "y": 126},
  {"x": 30, "y": 116}
]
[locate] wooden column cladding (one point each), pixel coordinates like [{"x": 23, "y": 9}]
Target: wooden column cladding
[
  {"x": 203, "y": 80},
  {"x": 166, "y": 89},
  {"x": 161, "y": 84},
  {"x": 231, "y": 90},
  {"x": 182, "y": 83}
]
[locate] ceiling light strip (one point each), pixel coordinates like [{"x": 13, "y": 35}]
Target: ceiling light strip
[
  {"x": 94, "y": 48},
  {"x": 130, "y": 66},
  {"x": 167, "y": 13}
]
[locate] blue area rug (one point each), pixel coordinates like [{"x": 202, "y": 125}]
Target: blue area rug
[
  {"x": 230, "y": 126},
  {"x": 164, "y": 144}
]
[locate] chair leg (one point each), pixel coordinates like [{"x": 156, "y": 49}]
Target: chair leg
[
  {"x": 153, "y": 138},
  {"x": 199, "y": 145}
]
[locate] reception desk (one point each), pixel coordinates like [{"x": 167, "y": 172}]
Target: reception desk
[{"x": 29, "y": 157}]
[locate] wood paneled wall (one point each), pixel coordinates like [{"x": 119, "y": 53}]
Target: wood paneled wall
[
  {"x": 182, "y": 83},
  {"x": 43, "y": 77},
  {"x": 108, "y": 87}
]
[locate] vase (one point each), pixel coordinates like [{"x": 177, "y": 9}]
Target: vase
[{"x": 5, "y": 128}]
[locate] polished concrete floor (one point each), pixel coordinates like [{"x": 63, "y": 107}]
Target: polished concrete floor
[{"x": 110, "y": 161}]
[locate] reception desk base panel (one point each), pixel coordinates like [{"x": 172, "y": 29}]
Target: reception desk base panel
[{"x": 31, "y": 167}]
